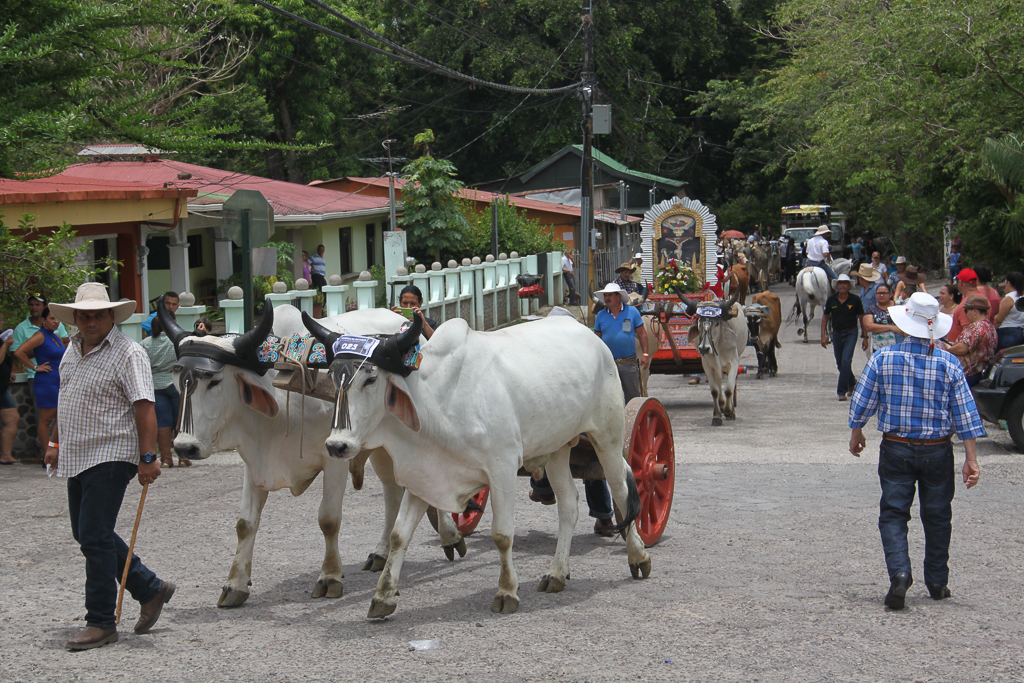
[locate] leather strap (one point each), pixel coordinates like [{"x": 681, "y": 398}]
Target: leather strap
[
  {"x": 626, "y": 361},
  {"x": 916, "y": 442}
]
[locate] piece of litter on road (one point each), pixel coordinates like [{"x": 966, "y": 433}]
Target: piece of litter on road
[
  {"x": 479, "y": 624},
  {"x": 423, "y": 644}
]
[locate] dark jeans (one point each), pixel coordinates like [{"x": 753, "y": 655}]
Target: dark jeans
[
  {"x": 826, "y": 267},
  {"x": 599, "y": 499},
  {"x": 900, "y": 467},
  {"x": 843, "y": 346},
  {"x": 570, "y": 282},
  {"x": 1009, "y": 336},
  {"x": 94, "y": 499}
]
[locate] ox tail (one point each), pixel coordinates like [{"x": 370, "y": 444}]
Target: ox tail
[{"x": 632, "y": 502}]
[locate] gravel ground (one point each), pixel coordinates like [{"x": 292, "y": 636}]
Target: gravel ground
[{"x": 771, "y": 569}]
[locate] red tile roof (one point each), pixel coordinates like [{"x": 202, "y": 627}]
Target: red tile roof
[
  {"x": 70, "y": 189},
  {"x": 214, "y": 186}
]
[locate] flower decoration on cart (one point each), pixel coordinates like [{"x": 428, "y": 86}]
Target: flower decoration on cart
[{"x": 677, "y": 277}]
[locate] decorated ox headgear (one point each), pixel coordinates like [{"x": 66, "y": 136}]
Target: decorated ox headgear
[
  {"x": 255, "y": 350},
  {"x": 724, "y": 311},
  {"x": 387, "y": 352}
]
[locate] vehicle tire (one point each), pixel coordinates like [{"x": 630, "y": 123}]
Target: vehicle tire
[{"x": 1015, "y": 421}]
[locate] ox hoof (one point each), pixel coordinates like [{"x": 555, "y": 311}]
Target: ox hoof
[
  {"x": 380, "y": 608},
  {"x": 551, "y": 584},
  {"x": 374, "y": 562},
  {"x": 716, "y": 422},
  {"x": 449, "y": 550},
  {"x": 730, "y": 417},
  {"x": 328, "y": 588},
  {"x": 229, "y": 597},
  {"x": 505, "y": 604},
  {"x": 641, "y": 570}
]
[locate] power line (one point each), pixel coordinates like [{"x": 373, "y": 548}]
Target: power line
[{"x": 410, "y": 58}]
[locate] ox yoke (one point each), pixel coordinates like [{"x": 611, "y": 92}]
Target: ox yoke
[{"x": 490, "y": 400}]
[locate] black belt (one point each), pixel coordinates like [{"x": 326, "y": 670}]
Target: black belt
[{"x": 916, "y": 442}]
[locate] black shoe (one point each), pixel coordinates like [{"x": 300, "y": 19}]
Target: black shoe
[
  {"x": 898, "y": 588},
  {"x": 939, "y": 592}
]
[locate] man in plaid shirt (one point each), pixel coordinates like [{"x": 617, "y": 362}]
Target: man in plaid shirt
[{"x": 921, "y": 397}]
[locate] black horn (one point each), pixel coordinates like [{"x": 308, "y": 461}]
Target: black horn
[
  {"x": 172, "y": 329},
  {"x": 403, "y": 341},
  {"x": 322, "y": 334},
  {"x": 727, "y": 307},
  {"x": 248, "y": 343},
  {"x": 691, "y": 306}
]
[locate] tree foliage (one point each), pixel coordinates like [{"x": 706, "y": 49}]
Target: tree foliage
[
  {"x": 516, "y": 232},
  {"x": 36, "y": 261},
  {"x": 432, "y": 215}
]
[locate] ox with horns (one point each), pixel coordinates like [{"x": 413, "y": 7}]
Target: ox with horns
[
  {"x": 229, "y": 401},
  {"x": 482, "y": 405},
  {"x": 719, "y": 335},
  {"x": 764, "y": 319}
]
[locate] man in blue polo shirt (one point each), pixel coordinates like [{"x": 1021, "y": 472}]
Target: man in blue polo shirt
[
  {"x": 619, "y": 325},
  {"x": 170, "y": 303}
]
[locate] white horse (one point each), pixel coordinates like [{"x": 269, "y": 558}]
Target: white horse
[{"x": 813, "y": 289}]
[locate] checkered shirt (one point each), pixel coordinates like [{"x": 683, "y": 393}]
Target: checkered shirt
[
  {"x": 916, "y": 395},
  {"x": 95, "y": 407}
]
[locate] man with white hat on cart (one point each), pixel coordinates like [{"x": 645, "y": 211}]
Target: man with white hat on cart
[
  {"x": 106, "y": 421},
  {"x": 921, "y": 397}
]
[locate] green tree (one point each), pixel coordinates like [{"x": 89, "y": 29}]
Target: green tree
[
  {"x": 432, "y": 215},
  {"x": 38, "y": 261},
  {"x": 516, "y": 232}
]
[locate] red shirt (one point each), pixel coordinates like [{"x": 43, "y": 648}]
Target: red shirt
[
  {"x": 993, "y": 301},
  {"x": 959, "y": 323}
]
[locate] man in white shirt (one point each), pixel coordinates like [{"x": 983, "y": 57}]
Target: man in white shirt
[
  {"x": 570, "y": 279},
  {"x": 818, "y": 253}
]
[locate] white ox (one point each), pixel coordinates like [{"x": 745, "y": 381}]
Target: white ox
[
  {"x": 720, "y": 336},
  {"x": 482, "y": 405},
  {"x": 231, "y": 407}
]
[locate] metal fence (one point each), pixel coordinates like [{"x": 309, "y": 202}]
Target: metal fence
[{"x": 593, "y": 274}]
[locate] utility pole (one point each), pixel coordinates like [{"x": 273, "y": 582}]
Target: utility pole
[{"x": 586, "y": 96}]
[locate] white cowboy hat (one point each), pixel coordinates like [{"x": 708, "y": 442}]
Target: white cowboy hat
[
  {"x": 823, "y": 230},
  {"x": 921, "y": 309},
  {"x": 638, "y": 254},
  {"x": 842, "y": 278},
  {"x": 900, "y": 259},
  {"x": 612, "y": 288},
  {"x": 92, "y": 296}
]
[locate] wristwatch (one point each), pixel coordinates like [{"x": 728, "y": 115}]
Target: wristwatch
[{"x": 147, "y": 458}]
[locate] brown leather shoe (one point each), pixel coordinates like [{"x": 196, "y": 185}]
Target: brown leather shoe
[
  {"x": 90, "y": 637},
  {"x": 604, "y": 527},
  {"x": 150, "y": 611}
]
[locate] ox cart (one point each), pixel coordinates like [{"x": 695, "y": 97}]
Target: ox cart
[
  {"x": 665, "y": 317},
  {"x": 648, "y": 448}
]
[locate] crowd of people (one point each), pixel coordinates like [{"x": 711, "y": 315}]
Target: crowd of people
[{"x": 36, "y": 347}]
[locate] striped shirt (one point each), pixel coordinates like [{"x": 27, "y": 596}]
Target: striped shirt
[
  {"x": 95, "y": 407},
  {"x": 916, "y": 395},
  {"x": 161, "y": 359}
]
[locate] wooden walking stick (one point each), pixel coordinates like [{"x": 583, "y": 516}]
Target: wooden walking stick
[{"x": 131, "y": 551}]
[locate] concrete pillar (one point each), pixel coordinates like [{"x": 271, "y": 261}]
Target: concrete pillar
[
  {"x": 179, "y": 267},
  {"x": 335, "y": 299},
  {"x": 222, "y": 249},
  {"x": 365, "y": 291},
  {"x": 132, "y": 327},
  {"x": 234, "y": 311}
]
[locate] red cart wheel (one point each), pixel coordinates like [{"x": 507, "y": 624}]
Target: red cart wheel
[
  {"x": 467, "y": 521},
  {"x": 651, "y": 455}
]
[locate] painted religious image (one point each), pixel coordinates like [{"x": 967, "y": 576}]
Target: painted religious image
[{"x": 679, "y": 241}]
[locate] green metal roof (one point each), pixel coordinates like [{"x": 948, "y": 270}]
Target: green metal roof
[{"x": 610, "y": 165}]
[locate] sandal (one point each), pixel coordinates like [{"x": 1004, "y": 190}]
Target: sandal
[
  {"x": 184, "y": 462},
  {"x": 166, "y": 463}
]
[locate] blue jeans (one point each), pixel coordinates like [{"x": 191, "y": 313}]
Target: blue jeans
[
  {"x": 843, "y": 346},
  {"x": 599, "y": 498},
  {"x": 94, "y": 499},
  {"x": 900, "y": 467},
  {"x": 1009, "y": 336},
  {"x": 826, "y": 267}
]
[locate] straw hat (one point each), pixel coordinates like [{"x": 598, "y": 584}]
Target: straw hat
[
  {"x": 913, "y": 318},
  {"x": 868, "y": 273},
  {"x": 92, "y": 296},
  {"x": 912, "y": 277},
  {"x": 628, "y": 267},
  {"x": 823, "y": 230},
  {"x": 900, "y": 260}
]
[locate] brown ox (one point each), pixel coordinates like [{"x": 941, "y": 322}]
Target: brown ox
[
  {"x": 764, "y": 331},
  {"x": 738, "y": 279}
]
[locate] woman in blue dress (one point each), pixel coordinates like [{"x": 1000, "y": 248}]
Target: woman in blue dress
[{"x": 48, "y": 350}]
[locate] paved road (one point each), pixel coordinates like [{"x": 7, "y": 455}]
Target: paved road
[{"x": 771, "y": 570}]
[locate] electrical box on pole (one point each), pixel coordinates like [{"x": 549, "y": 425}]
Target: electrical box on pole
[{"x": 602, "y": 119}]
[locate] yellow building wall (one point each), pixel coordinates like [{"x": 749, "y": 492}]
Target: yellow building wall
[{"x": 100, "y": 211}]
